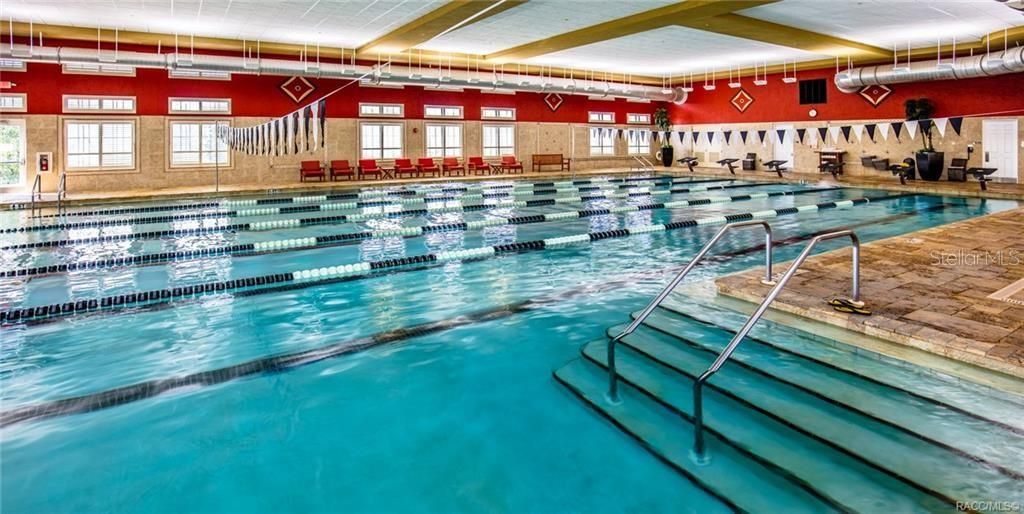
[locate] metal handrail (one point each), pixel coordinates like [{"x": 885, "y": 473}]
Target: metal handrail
[
  {"x": 62, "y": 192},
  {"x": 698, "y": 400},
  {"x": 613, "y": 377},
  {"x": 642, "y": 164},
  {"x": 37, "y": 193}
]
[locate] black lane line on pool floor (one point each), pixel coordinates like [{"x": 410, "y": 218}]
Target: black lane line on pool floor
[
  {"x": 291, "y": 207},
  {"x": 335, "y": 240},
  {"x": 398, "y": 193},
  {"x": 333, "y": 220},
  {"x": 167, "y": 295},
  {"x": 284, "y": 362}
]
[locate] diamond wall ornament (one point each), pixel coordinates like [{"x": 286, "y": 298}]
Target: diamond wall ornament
[
  {"x": 876, "y": 94},
  {"x": 741, "y": 100},
  {"x": 297, "y": 88},
  {"x": 553, "y": 100}
]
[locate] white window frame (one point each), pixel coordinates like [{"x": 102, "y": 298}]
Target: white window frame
[
  {"x": 203, "y": 102},
  {"x": 495, "y": 113},
  {"x": 601, "y": 117},
  {"x": 101, "y": 121},
  {"x": 638, "y": 142},
  {"x": 105, "y": 69},
  {"x": 606, "y": 144},
  {"x": 638, "y": 118},
  {"x": 100, "y": 107},
  {"x": 366, "y": 110},
  {"x": 8, "y": 64},
  {"x": 444, "y": 138},
  {"x": 22, "y": 96},
  {"x": 501, "y": 148},
  {"x": 401, "y": 147},
  {"x": 171, "y": 165},
  {"x": 189, "y": 74},
  {"x": 453, "y": 112}
]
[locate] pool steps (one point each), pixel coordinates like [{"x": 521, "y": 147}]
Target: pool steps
[
  {"x": 865, "y": 445},
  {"x": 351, "y": 269},
  {"x": 353, "y": 237},
  {"x": 377, "y": 212}
]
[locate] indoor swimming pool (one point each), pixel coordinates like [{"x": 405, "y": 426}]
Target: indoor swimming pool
[{"x": 425, "y": 349}]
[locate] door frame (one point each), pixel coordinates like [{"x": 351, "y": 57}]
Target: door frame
[
  {"x": 24, "y": 182},
  {"x": 1012, "y": 175}
]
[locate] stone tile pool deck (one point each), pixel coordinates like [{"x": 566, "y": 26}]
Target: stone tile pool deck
[{"x": 931, "y": 290}]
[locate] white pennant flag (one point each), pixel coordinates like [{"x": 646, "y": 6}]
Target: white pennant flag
[
  {"x": 812, "y": 137},
  {"x": 834, "y": 132},
  {"x": 858, "y": 130},
  {"x": 883, "y": 129},
  {"x": 912, "y": 128},
  {"x": 940, "y": 125},
  {"x": 316, "y": 124}
]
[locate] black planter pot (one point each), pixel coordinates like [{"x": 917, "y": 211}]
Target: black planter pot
[
  {"x": 929, "y": 165},
  {"x": 666, "y": 156}
]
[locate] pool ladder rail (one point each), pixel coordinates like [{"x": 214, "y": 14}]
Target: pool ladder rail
[
  {"x": 642, "y": 163},
  {"x": 37, "y": 195},
  {"x": 698, "y": 385}
]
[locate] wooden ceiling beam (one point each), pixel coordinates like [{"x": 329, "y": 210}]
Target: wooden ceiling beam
[
  {"x": 745, "y": 27},
  {"x": 675, "y": 14},
  {"x": 457, "y": 13}
]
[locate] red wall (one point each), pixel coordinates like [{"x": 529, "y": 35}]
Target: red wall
[
  {"x": 253, "y": 95},
  {"x": 777, "y": 101}
]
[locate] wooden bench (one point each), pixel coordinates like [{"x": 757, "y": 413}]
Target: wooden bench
[{"x": 550, "y": 159}]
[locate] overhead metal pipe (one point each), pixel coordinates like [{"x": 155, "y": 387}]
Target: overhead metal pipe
[
  {"x": 389, "y": 74},
  {"x": 986, "y": 65}
]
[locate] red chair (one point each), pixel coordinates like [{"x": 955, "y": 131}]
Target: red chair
[
  {"x": 476, "y": 165},
  {"x": 451, "y": 166},
  {"x": 426, "y": 165},
  {"x": 309, "y": 169},
  {"x": 404, "y": 166},
  {"x": 369, "y": 167},
  {"x": 342, "y": 169},
  {"x": 510, "y": 164}
]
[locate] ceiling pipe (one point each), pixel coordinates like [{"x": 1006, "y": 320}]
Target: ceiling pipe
[
  {"x": 391, "y": 74},
  {"x": 984, "y": 65}
]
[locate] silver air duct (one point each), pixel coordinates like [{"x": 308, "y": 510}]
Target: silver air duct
[
  {"x": 387, "y": 74},
  {"x": 986, "y": 65}
]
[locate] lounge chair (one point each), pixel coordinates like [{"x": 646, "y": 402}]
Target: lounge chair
[
  {"x": 509, "y": 164},
  {"x": 426, "y": 165},
  {"x": 405, "y": 167},
  {"x": 342, "y": 169},
  {"x": 369, "y": 167},
  {"x": 477, "y": 166},
  {"x": 310, "y": 169},
  {"x": 451, "y": 166}
]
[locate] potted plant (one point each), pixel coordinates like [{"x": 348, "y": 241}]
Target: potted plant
[
  {"x": 661, "y": 121},
  {"x": 929, "y": 162}
]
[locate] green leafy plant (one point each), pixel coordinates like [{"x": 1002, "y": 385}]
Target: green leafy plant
[
  {"x": 921, "y": 109},
  {"x": 661, "y": 121}
]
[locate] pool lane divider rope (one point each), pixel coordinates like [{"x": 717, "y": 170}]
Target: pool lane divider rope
[
  {"x": 328, "y": 206},
  {"x": 376, "y": 212},
  {"x": 375, "y": 193},
  {"x": 284, "y": 362},
  {"x": 362, "y": 268},
  {"x": 278, "y": 245}
]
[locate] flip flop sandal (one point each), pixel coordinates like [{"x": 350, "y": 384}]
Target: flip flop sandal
[{"x": 846, "y": 306}]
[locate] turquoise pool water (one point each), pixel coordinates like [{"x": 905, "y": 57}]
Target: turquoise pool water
[{"x": 461, "y": 418}]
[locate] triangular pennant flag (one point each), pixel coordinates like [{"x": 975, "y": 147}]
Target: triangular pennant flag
[
  {"x": 316, "y": 123},
  {"x": 782, "y": 134},
  {"x": 912, "y": 128},
  {"x": 940, "y": 125},
  {"x": 925, "y": 125},
  {"x": 619, "y": 133},
  {"x": 682, "y": 136},
  {"x": 800, "y": 133},
  {"x": 834, "y": 131},
  {"x": 761, "y": 134},
  {"x": 322, "y": 107},
  {"x": 668, "y": 135},
  {"x": 743, "y": 136},
  {"x": 812, "y": 138},
  {"x": 883, "y": 129},
  {"x": 712, "y": 137},
  {"x": 870, "y": 128},
  {"x": 846, "y": 132},
  {"x": 858, "y": 130},
  {"x": 696, "y": 137},
  {"x": 897, "y": 127},
  {"x": 727, "y": 134},
  {"x": 956, "y": 123},
  {"x": 822, "y": 133},
  {"x": 656, "y": 136}
]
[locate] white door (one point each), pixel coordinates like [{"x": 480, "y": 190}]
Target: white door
[
  {"x": 783, "y": 150},
  {"x": 999, "y": 145},
  {"x": 12, "y": 153}
]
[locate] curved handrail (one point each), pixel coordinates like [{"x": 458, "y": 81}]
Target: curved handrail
[
  {"x": 613, "y": 377},
  {"x": 37, "y": 192},
  {"x": 698, "y": 385},
  {"x": 62, "y": 192}
]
